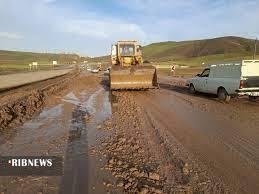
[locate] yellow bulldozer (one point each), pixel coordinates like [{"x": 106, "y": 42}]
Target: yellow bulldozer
[{"x": 127, "y": 70}]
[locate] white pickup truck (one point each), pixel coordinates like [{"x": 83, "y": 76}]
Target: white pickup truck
[{"x": 228, "y": 79}]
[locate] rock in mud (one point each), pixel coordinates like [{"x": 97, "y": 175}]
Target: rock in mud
[
  {"x": 138, "y": 174},
  {"x": 143, "y": 191},
  {"x": 108, "y": 185},
  {"x": 127, "y": 186},
  {"x": 154, "y": 176},
  {"x": 120, "y": 184},
  {"x": 111, "y": 161},
  {"x": 186, "y": 170},
  {"x": 122, "y": 140},
  {"x": 133, "y": 169},
  {"x": 125, "y": 166},
  {"x": 158, "y": 191}
]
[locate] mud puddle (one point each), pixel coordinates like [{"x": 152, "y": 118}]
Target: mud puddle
[
  {"x": 44, "y": 135},
  {"x": 70, "y": 128},
  {"x": 82, "y": 172}
]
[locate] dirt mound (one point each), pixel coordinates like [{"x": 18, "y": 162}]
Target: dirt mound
[{"x": 21, "y": 104}]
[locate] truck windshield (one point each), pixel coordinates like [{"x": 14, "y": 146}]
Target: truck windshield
[{"x": 127, "y": 50}]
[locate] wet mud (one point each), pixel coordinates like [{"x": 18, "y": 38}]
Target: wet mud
[
  {"x": 155, "y": 141},
  {"x": 66, "y": 127},
  {"x": 17, "y": 107},
  {"x": 142, "y": 160}
]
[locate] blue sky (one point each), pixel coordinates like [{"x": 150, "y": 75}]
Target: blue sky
[{"x": 89, "y": 27}]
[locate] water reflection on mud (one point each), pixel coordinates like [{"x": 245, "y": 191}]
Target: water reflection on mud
[{"x": 82, "y": 135}]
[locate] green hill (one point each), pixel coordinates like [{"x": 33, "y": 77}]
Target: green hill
[
  {"x": 198, "y": 51},
  {"x": 16, "y": 57},
  {"x": 197, "y": 48},
  {"x": 15, "y": 61}
]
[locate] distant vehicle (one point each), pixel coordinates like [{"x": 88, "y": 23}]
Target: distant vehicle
[
  {"x": 106, "y": 71},
  {"x": 82, "y": 66},
  {"x": 95, "y": 70},
  {"x": 229, "y": 79}
]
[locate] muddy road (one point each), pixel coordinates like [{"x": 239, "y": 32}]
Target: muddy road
[
  {"x": 223, "y": 137},
  {"x": 156, "y": 141}
]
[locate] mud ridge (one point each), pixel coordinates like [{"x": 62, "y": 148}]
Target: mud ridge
[
  {"x": 17, "y": 110},
  {"x": 124, "y": 152}
]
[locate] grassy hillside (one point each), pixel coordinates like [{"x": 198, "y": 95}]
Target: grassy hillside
[
  {"x": 16, "y": 58},
  {"x": 197, "y": 48},
  {"x": 106, "y": 58},
  {"x": 13, "y": 61}
]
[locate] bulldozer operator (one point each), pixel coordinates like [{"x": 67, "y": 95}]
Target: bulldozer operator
[{"x": 127, "y": 50}]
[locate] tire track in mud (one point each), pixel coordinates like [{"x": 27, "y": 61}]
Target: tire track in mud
[
  {"x": 75, "y": 179},
  {"x": 235, "y": 137},
  {"x": 186, "y": 175},
  {"x": 79, "y": 166},
  {"x": 230, "y": 150},
  {"x": 76, "y": 160}
]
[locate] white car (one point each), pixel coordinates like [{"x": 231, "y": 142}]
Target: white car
[
  {"x": 229, "y": 79},
  {"x": 106, "y": 71},
  {"x": 95, "y": 70},
  {"x": 82, "y": 66}
]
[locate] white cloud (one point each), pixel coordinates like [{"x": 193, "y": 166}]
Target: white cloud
[
  {"x": 9, "y": 35},
  {"x": 86, "y": 26},
  {"x": 103, "y": 29},
  {"x": 198, "y": 19}
]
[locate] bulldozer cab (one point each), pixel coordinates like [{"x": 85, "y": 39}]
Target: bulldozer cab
[{"x": 126, "y": 53}]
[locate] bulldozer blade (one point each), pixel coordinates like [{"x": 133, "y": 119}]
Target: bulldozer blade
[{"x": 136, "y": 77}]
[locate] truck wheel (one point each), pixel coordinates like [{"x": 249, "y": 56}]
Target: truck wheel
[
  {"x": 223, "y": 95},
  {"x": 253, "y": 98},
  {"x": 192, "y": 89}
]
